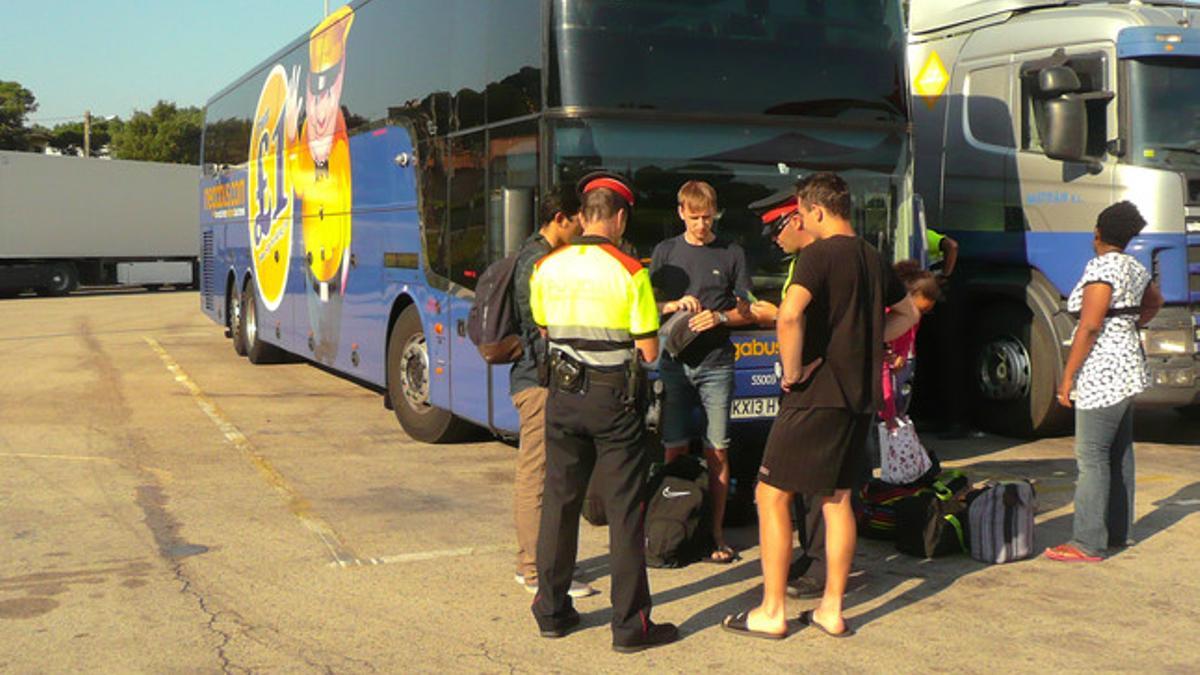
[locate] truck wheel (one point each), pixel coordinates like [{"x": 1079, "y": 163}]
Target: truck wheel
[
  {"x": 257, "y": 350},
  {"x": 1014, "y": 369},
  {"x": 63, "y": 280},
  {"x": 234, "y": 314},
  {"x": 408, "y": 385}
]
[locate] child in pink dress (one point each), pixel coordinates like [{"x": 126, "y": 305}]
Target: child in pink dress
[{"x": 899, "y": 363}]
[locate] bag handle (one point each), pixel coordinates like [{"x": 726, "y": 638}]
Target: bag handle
[{"x": 958, "y": 529}]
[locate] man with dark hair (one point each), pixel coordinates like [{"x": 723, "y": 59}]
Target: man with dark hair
[
  {"x": 831, "y": 327},
  {"x": 597, "y": 310},
  {"x": 559, "y": 210}
]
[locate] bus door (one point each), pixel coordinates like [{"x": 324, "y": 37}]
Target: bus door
[
  {"x": 512, "y": 182},
  {"x": 468, "y": 249}
]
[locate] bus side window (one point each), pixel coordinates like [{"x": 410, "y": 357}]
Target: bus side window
[{"x": 468, "y": 212}]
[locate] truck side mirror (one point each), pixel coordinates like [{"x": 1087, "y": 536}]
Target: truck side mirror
[
  {"x": 1065, "y": 135},
  {"x": 1058, "y": 80}
]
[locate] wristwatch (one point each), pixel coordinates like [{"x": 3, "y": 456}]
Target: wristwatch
[{"x": 721, "y": 318}]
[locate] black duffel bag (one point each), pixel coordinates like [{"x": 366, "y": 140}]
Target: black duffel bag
[{"x": 932, "y": 524}]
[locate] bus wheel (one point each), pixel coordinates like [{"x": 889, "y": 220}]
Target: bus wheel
[
  {"x": 408, "y": 385},
  {"x": 257, "y": 350},
  {"x": 63, "y": 279},
  {"x": 1014, "y": 369},
  {"x": 233, "y": 313}
]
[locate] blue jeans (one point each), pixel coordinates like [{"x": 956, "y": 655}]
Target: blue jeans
[
  {"x": 1104, "y": 488},
  {"x": 682, "y": 385}
]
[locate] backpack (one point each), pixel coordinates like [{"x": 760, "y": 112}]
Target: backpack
[
  {"x": 1001, "y": 517},
  {"x": 677, "y": 531},
  {"x": 492, "y": 323},
  {"x": 934, "y": 523}
]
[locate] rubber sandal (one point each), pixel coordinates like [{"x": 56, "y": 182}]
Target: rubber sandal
[
  {"x": 737, "y": 624},
  {"x": 1069, "y": 553},
  {"x": 806, "y": 619},
  {"x": 726, "y": 551}
]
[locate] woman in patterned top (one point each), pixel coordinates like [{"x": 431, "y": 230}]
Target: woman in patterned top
[{"x": 1105, "y": 370}]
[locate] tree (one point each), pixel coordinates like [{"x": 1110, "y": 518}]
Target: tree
[
  {"x": 68, "y": 138},
  {"x": 165, "y": 134},
  {"x": 16, "y": 102}
]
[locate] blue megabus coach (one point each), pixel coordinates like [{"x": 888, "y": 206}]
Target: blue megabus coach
[{"x": 357, "y": 183}]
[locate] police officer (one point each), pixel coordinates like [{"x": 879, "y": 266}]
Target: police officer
[{"x": 598, "y": 311}]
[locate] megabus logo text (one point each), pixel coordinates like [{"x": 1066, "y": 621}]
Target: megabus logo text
[{"x": 756, "y": 347}]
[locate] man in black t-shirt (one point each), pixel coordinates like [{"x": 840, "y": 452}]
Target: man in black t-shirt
[
  {"x": 831, "y": 328},
  {"x": 698, "y": 272}
]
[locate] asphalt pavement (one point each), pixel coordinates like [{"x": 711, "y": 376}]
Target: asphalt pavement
[{"x": 166, "y": 506}]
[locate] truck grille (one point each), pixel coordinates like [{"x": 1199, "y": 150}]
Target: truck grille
[{"x": 206, "y": 266}]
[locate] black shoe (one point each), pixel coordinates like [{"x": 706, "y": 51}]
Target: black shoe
[
  {"x": 559, "y": 627},
  {"x": 805, "y": 587},
  {"x": 659, "y": 634}
]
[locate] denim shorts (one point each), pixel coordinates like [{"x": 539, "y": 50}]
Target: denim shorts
[{"x": 683, "y": 387}]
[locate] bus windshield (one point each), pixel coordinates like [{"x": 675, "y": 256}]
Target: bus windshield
[
  {"x": 744, "y": 164},
  {"x": 1165, "y": 112},
  {"x": 820, "y": 58}
]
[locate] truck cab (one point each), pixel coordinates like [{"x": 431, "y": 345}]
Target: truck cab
[{"x": 1030, "y": 117}]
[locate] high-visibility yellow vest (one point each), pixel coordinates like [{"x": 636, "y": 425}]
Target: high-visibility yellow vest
[{"x": 593, "y": 301}]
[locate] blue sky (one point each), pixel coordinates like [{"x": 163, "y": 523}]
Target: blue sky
[{"x": 112, "y": 56}]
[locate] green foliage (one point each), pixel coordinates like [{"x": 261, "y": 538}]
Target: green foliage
[
  {"x": 68, "y": 138},
  {"x": 165, "y": 134},
  {"x": 16, "y": 102}
]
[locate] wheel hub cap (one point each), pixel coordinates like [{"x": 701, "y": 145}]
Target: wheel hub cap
[{"x": 1004, "y": 370}]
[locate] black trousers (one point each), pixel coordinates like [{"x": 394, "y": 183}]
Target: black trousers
[
  {"x": 594, "y": 431},
  {"x": 810, "y": 530}
]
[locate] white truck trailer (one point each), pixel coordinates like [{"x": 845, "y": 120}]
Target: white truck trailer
[{"x": 66, "y": 221}]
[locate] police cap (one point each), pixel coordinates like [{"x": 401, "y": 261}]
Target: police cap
[
  {"x": 606, "y": 179},
  {"x": 774, "y": 211}
]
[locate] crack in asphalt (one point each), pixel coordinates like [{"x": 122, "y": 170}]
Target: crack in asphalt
[
  {"x": 227, "y": 665},
  {"x": 487, "y": 654}
]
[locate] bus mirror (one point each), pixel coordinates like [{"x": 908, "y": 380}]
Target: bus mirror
[
  {"x": 1065, "y": 136},
  {"x": 517, "y": 217}
]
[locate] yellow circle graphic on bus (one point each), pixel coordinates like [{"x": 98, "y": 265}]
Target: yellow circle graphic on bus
[{"x": 269, "y": 193}]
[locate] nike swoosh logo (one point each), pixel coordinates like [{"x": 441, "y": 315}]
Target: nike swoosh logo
[{"x": 671, "y": 494}]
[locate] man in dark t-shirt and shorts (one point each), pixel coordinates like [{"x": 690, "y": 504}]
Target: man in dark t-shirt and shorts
[{"x": 831, "y": 328}]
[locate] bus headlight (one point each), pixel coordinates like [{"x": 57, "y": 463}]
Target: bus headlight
[{"x": 1167, "y": 342}]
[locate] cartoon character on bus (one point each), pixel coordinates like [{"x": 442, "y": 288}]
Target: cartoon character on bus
[{"x": 319, "y": 167}]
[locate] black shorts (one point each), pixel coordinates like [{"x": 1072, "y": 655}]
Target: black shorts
[{"x": 814, "y": 451}]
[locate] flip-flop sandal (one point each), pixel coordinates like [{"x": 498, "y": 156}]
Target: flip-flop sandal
[
  {"x": 737, "y": 624},
  {"x": 728, "y": 555},
  {"x": 806, "y": 619},
  {"x": 1069, "y": 553}
]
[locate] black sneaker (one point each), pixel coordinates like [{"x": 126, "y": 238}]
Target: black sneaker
[
  {"x": 559, "y": 627},
  {"x": 805, "y": 587},
  {"x": 659, "y": 634}
]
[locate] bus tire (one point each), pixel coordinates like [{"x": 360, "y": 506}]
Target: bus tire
[
  {"x": 1014, "y": 370},
  {"x": 233, "y": 314},
  {"x": 408, "y": 385},
  {"x": 63, "y": 279},
  {"x": 257, "y": 350}
]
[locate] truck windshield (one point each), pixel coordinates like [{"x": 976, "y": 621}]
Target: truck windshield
[
  {"x": 744, "y": 164},
  {"x": 822, "y": 58},
  {"x": 1165, "y": 112}
]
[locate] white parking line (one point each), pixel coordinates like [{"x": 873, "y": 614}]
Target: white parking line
[
  {"x": 429, "y": 555},
  {"x": 342, "y": 555}
]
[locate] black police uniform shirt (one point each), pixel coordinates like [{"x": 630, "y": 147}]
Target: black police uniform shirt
[
  {"x": 711, "y": 273},
  {"x": 851, "y": 284}
]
